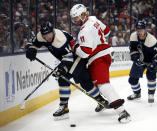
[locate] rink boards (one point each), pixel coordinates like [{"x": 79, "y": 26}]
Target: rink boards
[{"x": 19, "y": 77}]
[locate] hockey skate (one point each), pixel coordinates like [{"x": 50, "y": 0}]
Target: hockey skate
[
  {"x": 101, "y": 108},
  {"x": 61, "y": 113},
  {"x": 134, "y": 96},
  {"x": 151, "y": 98},
  {"x": 124, "y": 117}
]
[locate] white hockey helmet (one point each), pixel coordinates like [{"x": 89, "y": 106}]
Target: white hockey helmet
[{"x": 77, "y": 10}]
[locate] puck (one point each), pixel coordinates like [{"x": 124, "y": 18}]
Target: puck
[{"x": 72, "y": 125}]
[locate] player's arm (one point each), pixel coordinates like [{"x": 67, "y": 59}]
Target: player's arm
[
  {"x": 81, "y": 50},
  {"x": 83, "y": 47},
  {"x": 153, "y": 64},
  {"x": 31, "y": 48},
  {"x": 106, "y": 29},
  {"x": 134, "y": 53}
]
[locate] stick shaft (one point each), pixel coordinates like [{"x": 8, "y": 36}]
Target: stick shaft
[
  {"x": 38, "y": 86},
  {"x": 81, "y": 89}
]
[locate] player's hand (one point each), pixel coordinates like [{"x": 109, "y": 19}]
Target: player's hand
[
  {"x": 139, "y": 63},
  {"x": 135, "y": 57},
  {"x": 73, "y": 45},
  {"x": 62, "y": 70},
  {"x": 31, "y": 53}
]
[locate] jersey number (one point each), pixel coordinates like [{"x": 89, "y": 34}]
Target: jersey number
[
  {"x": 100, "y": 32},
  {"x": 82, "y": 39}
]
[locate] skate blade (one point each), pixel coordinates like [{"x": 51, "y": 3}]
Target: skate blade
[
  {"x": 65, "y": 116},
  {"x": 136, "y": 99},
  {"x": 125, "y": 120}
]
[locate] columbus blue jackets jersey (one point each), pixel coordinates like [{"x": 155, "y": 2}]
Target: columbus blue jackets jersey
[
  {"x": 59, "y": 47},
  {"x": 147, "y": 47}
]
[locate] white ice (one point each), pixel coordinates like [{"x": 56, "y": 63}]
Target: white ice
[{"x": 144, "y": 115}]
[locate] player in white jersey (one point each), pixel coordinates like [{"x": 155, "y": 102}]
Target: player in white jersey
[
  {"x": 92, "y": 45},
  {"x": 57, "y": 42}
]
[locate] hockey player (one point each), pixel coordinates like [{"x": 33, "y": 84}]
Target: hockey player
[
  {"x": 58, "y": 43},
  {"x": 143, "y": 52},
  {"x": 92, "y": 45}
]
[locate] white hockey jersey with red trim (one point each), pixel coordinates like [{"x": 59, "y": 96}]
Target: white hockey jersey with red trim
[{"x": 92, "y": 40}]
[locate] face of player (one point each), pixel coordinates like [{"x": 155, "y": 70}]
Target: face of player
[
  {"x": 80, "y": 21},
  {"x": 48, "y": 37},
  {"x": 76, "y": 20},
  {"x": 141, "y": 33}
]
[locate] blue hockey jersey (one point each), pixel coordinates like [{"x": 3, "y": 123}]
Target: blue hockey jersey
[
  {"x": 59, "y": 47},
  {"x": 147, "y": 47}
]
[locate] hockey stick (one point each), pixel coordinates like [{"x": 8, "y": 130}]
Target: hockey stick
[
  {"x": 44, "y": 64},
  {"x": 79, "y": 88},
  {"x": 22, "y": 107},
  {"x": 141, "y": 59}
]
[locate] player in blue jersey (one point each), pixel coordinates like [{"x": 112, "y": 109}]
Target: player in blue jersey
[
  {"x": 143, "y": 52},
  {"x": 58, "y": 41}
]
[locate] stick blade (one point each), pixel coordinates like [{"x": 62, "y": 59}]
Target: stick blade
[{"x": 22, "y": 107}]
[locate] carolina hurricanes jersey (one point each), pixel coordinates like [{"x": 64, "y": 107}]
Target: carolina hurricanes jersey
[{"x": 92, "y": 39}]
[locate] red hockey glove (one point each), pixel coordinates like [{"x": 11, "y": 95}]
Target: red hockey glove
[{"x": 74, "y": 45}]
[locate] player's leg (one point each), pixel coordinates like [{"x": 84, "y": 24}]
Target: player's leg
[
  {"x": 135, "y": 86},
  {"x": 87, "y": 84},
  {"x": 135, "y": 73},
  {"x": 151, "y": 83},
  {"x": 115, "y": 102},
  {"x": 64, "y": 94},
  {"x": 99, "y": 71},
  {"x": 82, "y": 76}
]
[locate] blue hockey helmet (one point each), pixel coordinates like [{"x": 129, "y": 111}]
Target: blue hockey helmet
[
  {"x": 141, "y": 25},
  {"x": 46, "y": 28}
]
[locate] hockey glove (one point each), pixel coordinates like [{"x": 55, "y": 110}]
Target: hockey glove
[
  {"x": 62, "y": 70},
  {"x": 135, "y": 57},
  {"x": 139, "y": 63},
  {"x": 31, "y": 53},
  {"x": 74, "y": 45}
]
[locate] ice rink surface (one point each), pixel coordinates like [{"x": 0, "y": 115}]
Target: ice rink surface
[{"x": 144, "y": 115}]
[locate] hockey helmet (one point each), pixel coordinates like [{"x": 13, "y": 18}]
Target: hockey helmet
[
  {"x": 141, "y": 25},
  {"x": 77, "y": 10},
  {"x": 46, "y": 28}
]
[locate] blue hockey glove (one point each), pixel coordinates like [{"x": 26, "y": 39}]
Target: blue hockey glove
[
  {"x": 139, "y": 63},
  {"x": 62, "y": 70},
  {"x": 135, "y": 57}
]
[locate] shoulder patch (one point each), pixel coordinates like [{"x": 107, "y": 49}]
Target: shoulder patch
[
  {"x": 40, "y": 38},
  {"x": 133, "y": 37},
  {"x": 60, "y": 39},
  {"x": 150, "y": 40}
]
